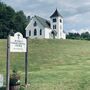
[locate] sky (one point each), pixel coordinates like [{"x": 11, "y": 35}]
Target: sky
[{"x": 76, "y": 13}]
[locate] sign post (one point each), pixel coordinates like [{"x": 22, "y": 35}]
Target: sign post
[
  {"x": 8, "y": 64},
  {"x": 16, "y": 43},
  {"x": 26, "y": 62}
]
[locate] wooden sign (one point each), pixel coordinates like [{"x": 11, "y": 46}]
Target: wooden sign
[{"x": 17, "y": 43}]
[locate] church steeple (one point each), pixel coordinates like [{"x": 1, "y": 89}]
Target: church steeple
[
  {"x": 55, "y": 14},
  {"x": 57, "y": 24}
]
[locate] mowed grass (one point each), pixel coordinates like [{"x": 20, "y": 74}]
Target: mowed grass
[{"x": 52, "y": 64}]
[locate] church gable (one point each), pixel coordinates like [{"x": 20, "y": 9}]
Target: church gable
[{"x": 38, "y": 21}]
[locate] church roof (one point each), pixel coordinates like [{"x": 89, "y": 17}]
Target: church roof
[
  {"x": 43, "y": 21},
  {"x": 55, "y": 14}
]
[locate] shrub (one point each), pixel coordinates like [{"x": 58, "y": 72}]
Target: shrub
[{"x": 14, "y": 79}]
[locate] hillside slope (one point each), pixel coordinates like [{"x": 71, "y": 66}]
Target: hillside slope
[{"x": 53, "y": 64}]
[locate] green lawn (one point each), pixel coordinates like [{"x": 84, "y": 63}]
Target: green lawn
[{"x": 53, "y": 64}]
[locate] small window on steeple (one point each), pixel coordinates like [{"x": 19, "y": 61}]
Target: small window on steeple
[
  {"x": 54, "y": 26},
  {"x": 60, "y": 20},
  {"x": 54, "y": 20}
]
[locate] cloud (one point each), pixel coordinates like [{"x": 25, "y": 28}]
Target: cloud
[
  {"x": 47, "y": 1},
  {"x": 68, "y": 8},
  {"x": 78, "y": 19},
  {"x": 76, "y": 13},
  {"x": 79, "y": 31},
  {"x": 73, "y": 19}
]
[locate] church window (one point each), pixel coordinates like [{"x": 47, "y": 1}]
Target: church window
[
  {"x": 54, "y": 20},
  {"x": 35, "y": 32},
  {"x": 54, "y": 26},
  {"x": 30, "y": 33},
  {"x": 35, "y": 24},
  {"x": 40, "y": 31},
  {"x": 60, "y": 20}
]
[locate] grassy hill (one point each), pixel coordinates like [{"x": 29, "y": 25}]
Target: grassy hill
[{"x": 53, "y": 64}]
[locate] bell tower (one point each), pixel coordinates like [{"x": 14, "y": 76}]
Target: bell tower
[{"x": 57, "y": 24}]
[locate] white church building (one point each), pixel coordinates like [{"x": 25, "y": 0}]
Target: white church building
[{"x": 41, "y": 28}]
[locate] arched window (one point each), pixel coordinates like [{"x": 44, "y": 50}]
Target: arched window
[
  {"x": 40, "y": 31},
  {"x": 35, "y": 32},
  {"x": 29, "y": 32},
  {"x": 60, "y": 20},
  {"x": 35, "y": 24}
]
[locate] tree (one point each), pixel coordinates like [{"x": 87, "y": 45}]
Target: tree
[
  {"x": 82, "y": 36},
  {"x": 85, "y": 36},
  {"x": 9, "y": 19},
  {"x": 20, "y": 22}
]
